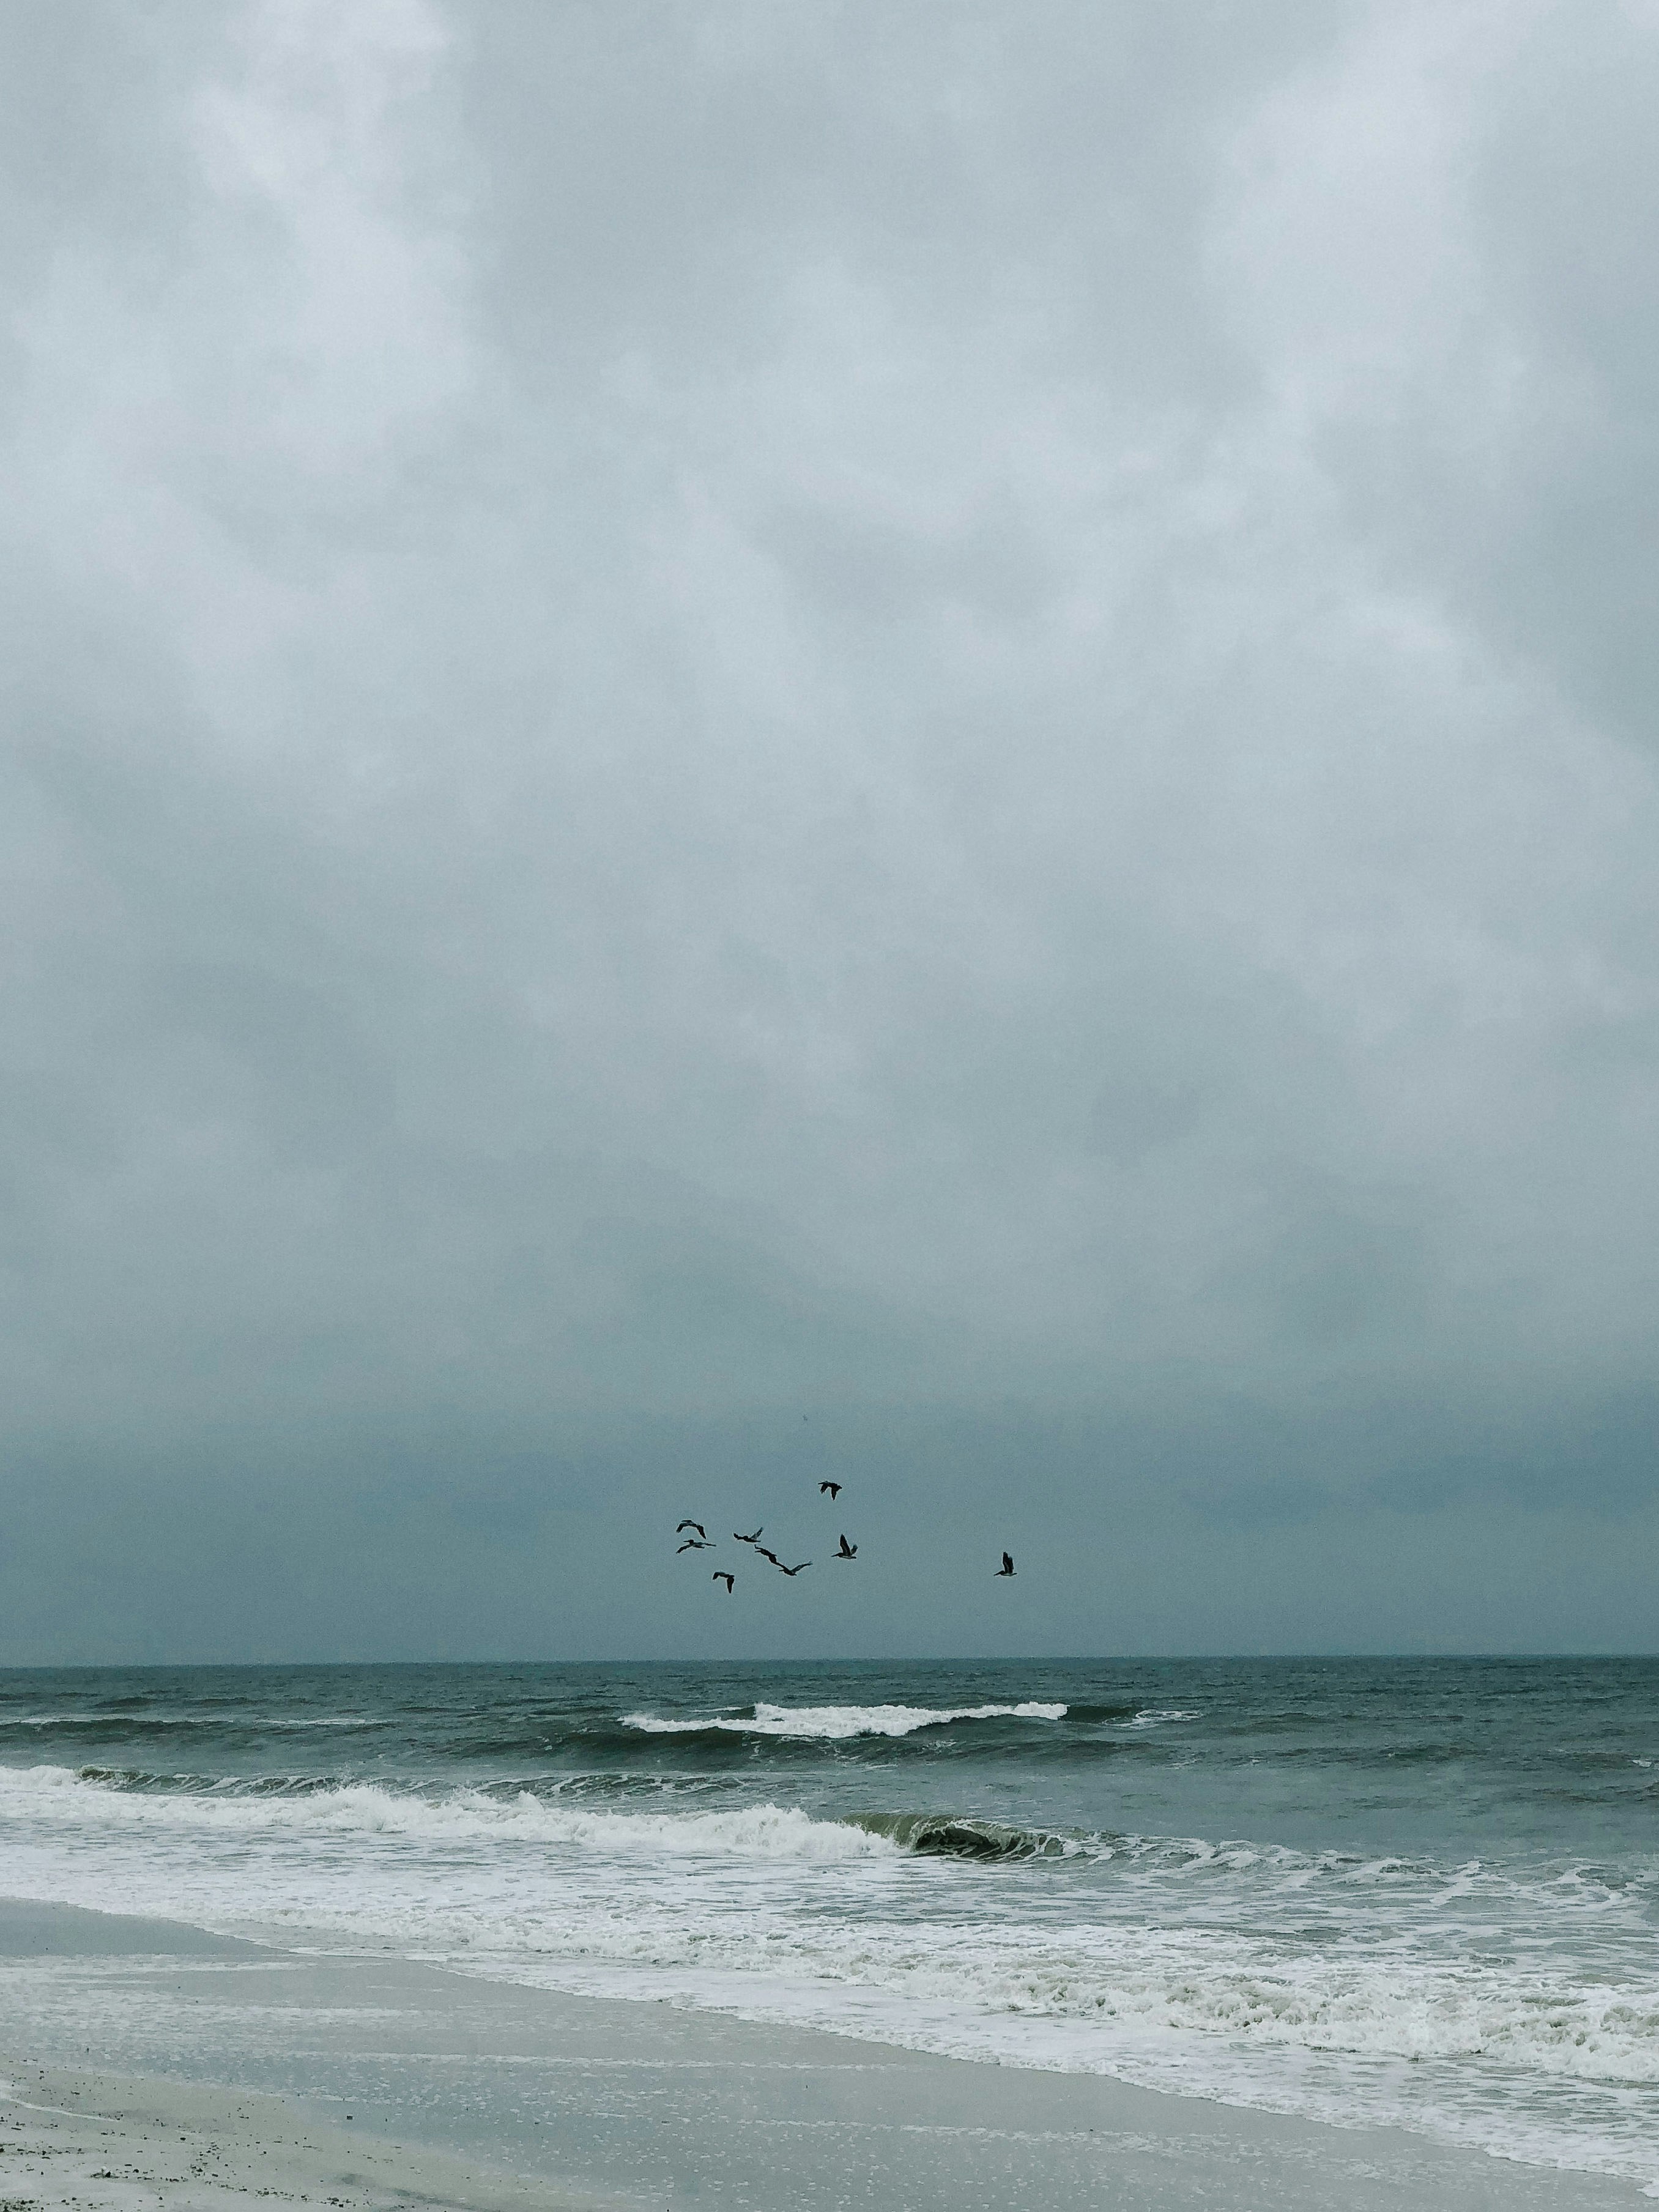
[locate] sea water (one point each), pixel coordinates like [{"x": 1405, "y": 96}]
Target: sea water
[{"x": 1423, "y": 1892}]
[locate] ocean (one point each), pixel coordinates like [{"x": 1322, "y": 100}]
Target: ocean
[{"x": 1418, "y": 1892}]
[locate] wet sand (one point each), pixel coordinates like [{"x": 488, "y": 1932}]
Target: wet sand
[{"x": 225, "y": 2069}]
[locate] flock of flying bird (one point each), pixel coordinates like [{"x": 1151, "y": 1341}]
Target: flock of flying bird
[{"x": 700, "y": 1540}]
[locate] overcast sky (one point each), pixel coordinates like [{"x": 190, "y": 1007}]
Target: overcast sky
[{"x": 755, "y": 740}]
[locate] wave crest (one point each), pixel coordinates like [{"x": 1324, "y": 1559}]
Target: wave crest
[
  {"x": 833, "y": 1723},
  {"x": 367, "y": 1809},
  {"x": 939, "y": 1835}
]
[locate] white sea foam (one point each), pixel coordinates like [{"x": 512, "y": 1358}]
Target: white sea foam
[
  {"x": 366, "y": 1810},
  {"x": 1104, "y": 1994},
  {"x": 831, "y": 1722}
]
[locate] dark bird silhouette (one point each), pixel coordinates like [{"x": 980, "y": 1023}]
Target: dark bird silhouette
[
  {"x": 847, "y": 1550},
  {"x": 754, "y": 1539},
  {"x": 728, "y": 1579},
  {"x": 684, "y": 1525},
  {"x": 765, "y": 1554},
  {"x": 693, "y": 1543},
  {"x": 1007, "y": 1566},
  {"x": 834, "y": 1489},
  {"x": 791, "y": 1570}
]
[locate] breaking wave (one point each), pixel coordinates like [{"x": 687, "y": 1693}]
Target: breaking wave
[
  {"x": 366, "y": 1808},
  {"x": 832, "y": 1723},
  {"x": 938, "y": 1835}
]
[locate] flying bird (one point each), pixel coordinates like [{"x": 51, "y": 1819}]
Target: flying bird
[
  {"x": 728, "y": 1579},
  {"x": 834, "y": 1489},
  {"x": 754, "y": 1539},
  {"x": 765, "y": 1554},
  {"x": 847, "y": 1550},
  {"x": 791, "y": 1570},
  {"x": 684, "y": 1525},
  {"x": 1007, "y": 1566},
  {"x": 693, "y": 1543}
]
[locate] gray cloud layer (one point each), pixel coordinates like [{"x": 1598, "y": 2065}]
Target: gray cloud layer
[{"x": 940, "y": 717}]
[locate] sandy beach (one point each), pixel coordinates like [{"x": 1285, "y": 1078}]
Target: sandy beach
[
  {"x": 149, "y": 2064},
  {"x": 104, "y": 2143}
]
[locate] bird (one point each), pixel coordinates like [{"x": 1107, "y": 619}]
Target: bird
[
  {"x": 847, "y": 1550},
  {"x": 834, "y": 1489},
  {"x": 1007, "y": 1566},
  {"x": 791, "y": 1570},
  {"x": 765, "y": 1554},
  {"x": 728, "y": 1579},
  {"x": 754, "y": 1539},
  {"x": 693, "y": 1543},
  {"x": 684, "y": 1525}
]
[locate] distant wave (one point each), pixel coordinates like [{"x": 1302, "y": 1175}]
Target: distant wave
[
  {"x": 834, "y": 1721},
  {"x": 143, "y": 1723}
]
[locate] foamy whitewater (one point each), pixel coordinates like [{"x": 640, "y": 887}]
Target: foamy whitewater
[{"x": 1412, "y": 1892}]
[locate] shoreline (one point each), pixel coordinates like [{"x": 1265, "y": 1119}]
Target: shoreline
[{"x": 488, "y": 2094}]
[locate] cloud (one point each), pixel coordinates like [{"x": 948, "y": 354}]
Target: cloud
[{"x": 894, "y": 713}]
